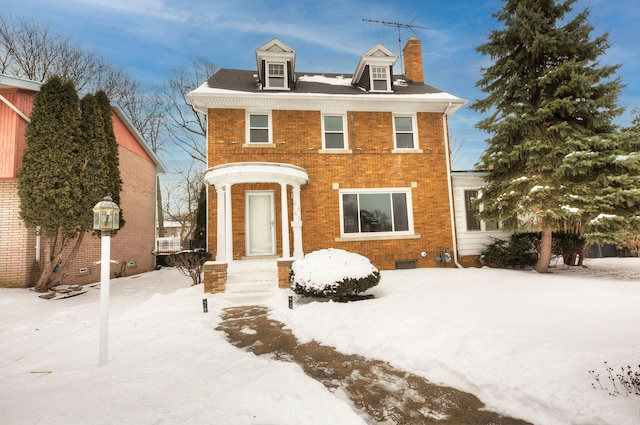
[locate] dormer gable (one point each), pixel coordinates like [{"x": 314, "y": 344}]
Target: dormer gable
[
  {"x": 375, "y": 70},
  {"x": 276, "y": 65}
]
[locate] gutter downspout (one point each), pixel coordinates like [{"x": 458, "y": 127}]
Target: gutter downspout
[
  {"x": 13, "y": 107},
  {"x": 445, "y": 128}
]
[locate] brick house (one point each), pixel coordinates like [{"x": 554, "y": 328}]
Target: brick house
[
  {"x": 134, "y": 243},
  {"x": 300, "y": 161}
]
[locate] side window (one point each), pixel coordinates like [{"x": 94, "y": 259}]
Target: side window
[
  {"x": 334, "y": 135},
  {"x": 376, "y": 211},
  {"x": 258, "y": 129},
  {"x": 473, "y": 223},
  {"x": 379, "y": 78},
  {"x": 404, "y": 132}
]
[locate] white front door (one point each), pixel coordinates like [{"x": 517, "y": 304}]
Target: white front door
[{"x": 260, "y": 224}]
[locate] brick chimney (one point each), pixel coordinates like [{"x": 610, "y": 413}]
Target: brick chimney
[{"x": 412, "y": 53}]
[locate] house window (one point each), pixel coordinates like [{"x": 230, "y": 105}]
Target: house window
[
  {"x": 379, "y": 78},
  {"x": 258, "y": 130},
  {"x": 404, "y": 130},
  {"x": 376, "y": 211},
  {"x": 471, "y": 211},
  {"x": 276, "y": 75},
  {"x": 333, "y": 130}
]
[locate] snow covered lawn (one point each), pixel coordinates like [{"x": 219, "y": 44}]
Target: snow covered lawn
[{"x": 522, "y": 342}]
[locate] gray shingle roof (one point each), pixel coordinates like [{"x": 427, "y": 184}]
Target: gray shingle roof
[{"x": 247, "y": 81}]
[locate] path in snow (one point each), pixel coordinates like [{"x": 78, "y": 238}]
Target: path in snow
[{"x": 380, "y": 393}]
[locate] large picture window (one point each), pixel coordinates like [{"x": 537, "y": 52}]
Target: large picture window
[
  {"x": 376, "y": 211},
  {"x": 258, "y": 128},
  {"x": 334, "y": 134}
]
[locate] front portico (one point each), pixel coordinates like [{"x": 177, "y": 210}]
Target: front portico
[{"x": 224, "y": 177}]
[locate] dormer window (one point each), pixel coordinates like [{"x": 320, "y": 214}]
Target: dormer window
[
  {"x": 379, "y": 78},
  {"x": 276, "y": 75},
  {"x": 373, "y": 72},
  {"x": 276, "y": 66}
]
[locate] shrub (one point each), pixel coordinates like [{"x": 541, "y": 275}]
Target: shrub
[
  {"x": 190, "y": 263},
  {"x": 628, "y": 380},
  {"x": 517, "y": 252},
  {"x": 522, "y": 249},
  {"x": 332, "y": 273}
]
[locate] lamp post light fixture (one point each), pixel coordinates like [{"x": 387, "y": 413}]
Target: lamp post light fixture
[{"x": 106, "y": 217}]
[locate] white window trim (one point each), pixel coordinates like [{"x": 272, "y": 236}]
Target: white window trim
[
  {"x": 267, "y": 79},
  {"x": 345, "y": 133},
  {"x": 377, "y": 235},
  {"x": 371, "y": 79},
  {"x": 248, "y": 129},
  {"x": 414, "y": 128}
]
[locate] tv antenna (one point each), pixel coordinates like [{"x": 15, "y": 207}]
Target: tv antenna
[{"x": 398, "y": 25}]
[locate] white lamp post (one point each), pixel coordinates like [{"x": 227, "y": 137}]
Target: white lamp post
[{"x": 106, "y": 217}]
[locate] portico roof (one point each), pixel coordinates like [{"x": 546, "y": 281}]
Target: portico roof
[{"x": 256, "y": 172}]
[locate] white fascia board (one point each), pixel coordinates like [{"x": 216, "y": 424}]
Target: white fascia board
[{"x": 205, "y": 99}]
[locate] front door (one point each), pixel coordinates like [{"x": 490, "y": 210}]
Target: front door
[{"x": 260, "y": 223}]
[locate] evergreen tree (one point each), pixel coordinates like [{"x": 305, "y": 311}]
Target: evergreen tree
[
  {"x": 200, "y": 231},
  {"x": 556, "y": 156},
  {"x": 49, "y": 184},
  {"x": 111, "y": 156},
  {"x": 67, "y": 167}
]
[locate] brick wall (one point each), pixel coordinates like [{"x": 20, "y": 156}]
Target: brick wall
[
  {"x": 132, "y": 245},
  {"x": 297, "y": 140},
  {"x": 17, "y": 244}
]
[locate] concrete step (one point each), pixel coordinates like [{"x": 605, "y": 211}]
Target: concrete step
[
  {"x": 248, "y": 297},
  {"x": 264, "y": 286}
]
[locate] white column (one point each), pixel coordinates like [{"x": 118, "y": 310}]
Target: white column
[
  {"x": 296, "y": 224},
  {"x": 105, "y": 268},
  {"x": 284, "y": 202},
  {"x": 221, "y": 249},
  {"x": 228, "y": 224}
]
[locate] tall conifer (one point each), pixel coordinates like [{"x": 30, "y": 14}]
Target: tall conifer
[
  {"x": 67, "y": 167},
  {"x": 554, "y": 153},
  {"x": 111, "y": 156},
  {"x": 49, "y": 183}
]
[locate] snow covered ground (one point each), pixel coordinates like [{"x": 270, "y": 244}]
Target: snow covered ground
[{"x": 522, "y": 342}]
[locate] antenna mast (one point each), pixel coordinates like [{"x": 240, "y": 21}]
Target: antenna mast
[{"x": 398, "y": 25}]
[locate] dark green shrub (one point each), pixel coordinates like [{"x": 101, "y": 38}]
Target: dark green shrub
[
  {"x": 569, "y": 245},
  {"x": 332, "y": 273},
  {"x": 517, "y": 252},
  {"x": 522, "y": 249}
]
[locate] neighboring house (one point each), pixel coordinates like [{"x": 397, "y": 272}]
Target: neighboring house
[
  {"x": 473, "y": 234},
  {"x": 133, "y": 245},
  {"x": 300, "y": 161},
  {"x": 174, "y": 229}
]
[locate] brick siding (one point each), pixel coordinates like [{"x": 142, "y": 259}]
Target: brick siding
[{"x": 297, "y": 140}]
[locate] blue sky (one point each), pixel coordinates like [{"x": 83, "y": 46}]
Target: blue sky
[{"x": 150, "y": 37}]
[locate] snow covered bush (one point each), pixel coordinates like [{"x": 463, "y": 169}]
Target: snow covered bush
[{"x": 332, "y": 273}]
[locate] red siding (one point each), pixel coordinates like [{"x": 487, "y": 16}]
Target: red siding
[{"x": 12, "y": 128}]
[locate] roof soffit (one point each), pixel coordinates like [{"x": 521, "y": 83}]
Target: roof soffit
[{"x": 371, "y": 103}]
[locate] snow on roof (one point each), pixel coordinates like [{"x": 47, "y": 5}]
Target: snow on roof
[{"x": 338, "y": 80}]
